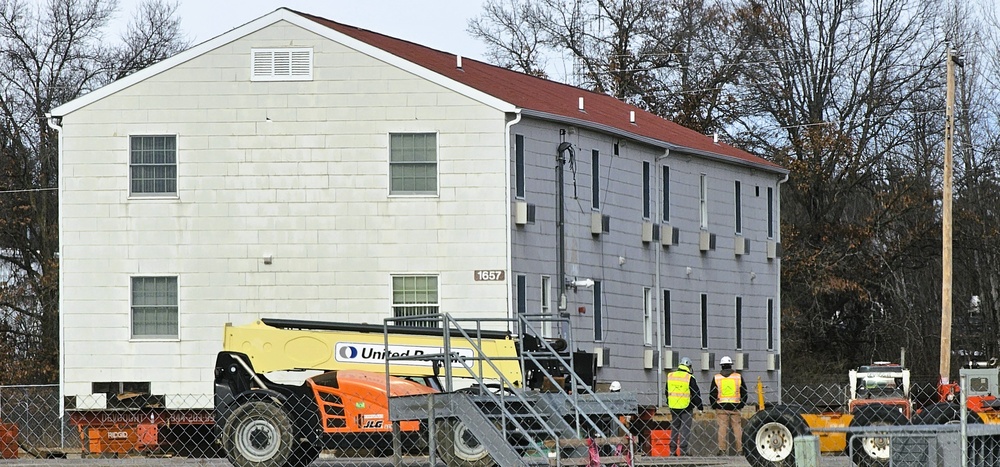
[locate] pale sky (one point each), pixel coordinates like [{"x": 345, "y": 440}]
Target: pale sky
[{"x": 439, "y": 24}]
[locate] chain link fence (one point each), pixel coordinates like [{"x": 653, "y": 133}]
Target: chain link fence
[{"x": 352, "y": 429}]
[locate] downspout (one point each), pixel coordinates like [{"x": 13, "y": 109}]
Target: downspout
[
  {"x": 510, "y": 228},
  {"x": 561, "y": 232},
  {"x": 777, "y": 282},
  {"x": 56, "y": 124},
  {"x": 659, "y": 293}
]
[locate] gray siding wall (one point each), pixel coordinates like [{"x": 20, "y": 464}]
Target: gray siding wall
[{"x": 625, "y": 265}]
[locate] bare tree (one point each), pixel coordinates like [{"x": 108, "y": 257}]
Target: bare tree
[
  {"x": 52, "y": 52},
  {"x": 676, "y": 58}
]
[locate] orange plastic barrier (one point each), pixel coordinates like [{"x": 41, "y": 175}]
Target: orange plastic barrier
[
  {"x": 659, "y": 443},
  {"x": 8, "y": 441}
]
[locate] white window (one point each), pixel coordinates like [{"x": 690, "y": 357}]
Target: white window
[
  {"x": 154, "y": 307},
  {"x": 413, "y": 163},
  {"x": 294, "y": 64},
  {"x": 737, "y": 198},
  {"x": 413, "y": 296},
  {"x": 153, "y": 165},
  {"x": 703, "y": 202},
  {"x": 647, "y": 316},
  {"x": 546, "y": 307}
]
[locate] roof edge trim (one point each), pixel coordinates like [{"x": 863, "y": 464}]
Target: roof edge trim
[
  {"x": 652, "y": 142},
  {"x": 168, "y": 63}
]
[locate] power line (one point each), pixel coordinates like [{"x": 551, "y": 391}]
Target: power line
[{"x": 28, "y": 190}]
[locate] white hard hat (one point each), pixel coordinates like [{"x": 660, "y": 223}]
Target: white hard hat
[
  {"x": 726, "y": 360},
  {"x": 615, "y": 386}
]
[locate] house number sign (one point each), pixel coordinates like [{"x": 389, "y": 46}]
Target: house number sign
[{"x": 488, "y": 275}]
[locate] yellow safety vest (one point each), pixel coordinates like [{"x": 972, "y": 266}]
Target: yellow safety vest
[
  {"x": 729, "y": 388},
  {"x": 679, "y": 390}
]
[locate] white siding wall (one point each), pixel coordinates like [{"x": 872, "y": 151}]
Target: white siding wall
[{"x": 310, "y": 187}]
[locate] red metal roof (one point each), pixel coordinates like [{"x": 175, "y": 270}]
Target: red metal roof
[{"x": 542, "y": 95}]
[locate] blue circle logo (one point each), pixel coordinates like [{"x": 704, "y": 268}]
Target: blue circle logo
[{"x": 348, "y": 352}]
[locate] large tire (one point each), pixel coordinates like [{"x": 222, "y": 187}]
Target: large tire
[
  {"x": 768, "y": 438},
  {"x": 258, "y": 434},
  {"x": 943, "y": 413},
  {"x": 457, "y": 447},
  {"x": 873, "y": 451}
]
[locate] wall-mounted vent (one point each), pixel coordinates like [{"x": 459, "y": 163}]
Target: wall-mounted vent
[
  {"x": 741, "y": 361},
  {"x": 773, "y": 362},
  {"x": 741, "y": 246},
  {"x": 599, "y": 223},
  {"x": 707, "y": 361},
  {"x": 294, "y": 64},
  {"x": 524, "y": 213},
  {"x": 603, "y": 355},
  {"x": 647, "y": 232},
  {"x": 668, "y": 235},
  {"x": 649, "y": 359},
  {"x": 706, "y": 241},
  {"x": 773, "y": 249},
  {"x": 670, "y": 359}
]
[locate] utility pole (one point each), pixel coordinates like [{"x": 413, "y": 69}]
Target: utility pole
[{"x": 949, "y": 130}]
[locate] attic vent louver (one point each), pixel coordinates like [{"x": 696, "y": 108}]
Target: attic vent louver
[{"x": 290, "y": 64}]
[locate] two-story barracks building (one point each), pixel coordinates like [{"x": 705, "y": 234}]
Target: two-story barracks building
[{"x": 300, "y": 168}]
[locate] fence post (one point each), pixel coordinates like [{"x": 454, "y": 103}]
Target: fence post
[{"x": 964, "y": 441}]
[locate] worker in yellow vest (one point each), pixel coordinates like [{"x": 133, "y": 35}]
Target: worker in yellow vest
[
  {"x": 728, "y": 395},
  {"x": 683, "y": 396}
]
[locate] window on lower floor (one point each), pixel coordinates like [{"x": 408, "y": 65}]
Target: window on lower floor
[
  {"x": 666, "y": 318},
  {"x": 413, "y": 164},
  {"x": 739, "y": 323},
  {"x": 154, "y": 307},
  {"x": 153, "y": 165},
  {"x": 704, "y": 321},
  {"x": 415, "y": 296},
  {"x": 598, "y": 313}
]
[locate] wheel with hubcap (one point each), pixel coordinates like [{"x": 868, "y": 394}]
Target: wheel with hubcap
[
  {"x": 869, "y": 449},
  {"x": 458, "y": 447},
  {"x": 258, "y": 434},
  {"x": 768, "y": 438}
]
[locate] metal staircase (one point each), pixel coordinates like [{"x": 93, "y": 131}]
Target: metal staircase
[{"x": 509, "y": 422}]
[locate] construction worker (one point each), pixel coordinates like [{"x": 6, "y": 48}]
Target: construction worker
[
  {"x": 728, "y": 395},
  {"x": 683, "y": 396}
]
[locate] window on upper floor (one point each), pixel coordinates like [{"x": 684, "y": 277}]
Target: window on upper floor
[
  {"x": 770, "y": 212},
  {"x": 646, "y": 188},
  {"x": 519, "y": 166},
  {"x": 595, "y": 179},
  {"x": 283, "y": 64},
  {"x": 703, "y": 202},
  {"x": 413, "y": 296},
  {"x": 154, "y": 307},
  {"x": 738, "y": 200},
  {"x": 153, "y": 165},
  {"x": 413, "y": 164},
  {"x": 666, "y": 194}
]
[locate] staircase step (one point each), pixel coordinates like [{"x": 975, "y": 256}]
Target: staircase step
[
  {"x": 582, "y": 442},
  {"x": 586, "y": 460}
]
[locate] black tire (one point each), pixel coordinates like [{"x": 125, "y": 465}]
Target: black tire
[
  {"x": 304, "y": 454},
  {"x": 457, "y": 447},
  {"x": 768, "y": 437},
  {"x": 258, "y": 434},
  {"x": 943, "y": 413},
  {"x": 873, "y": 451}
]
